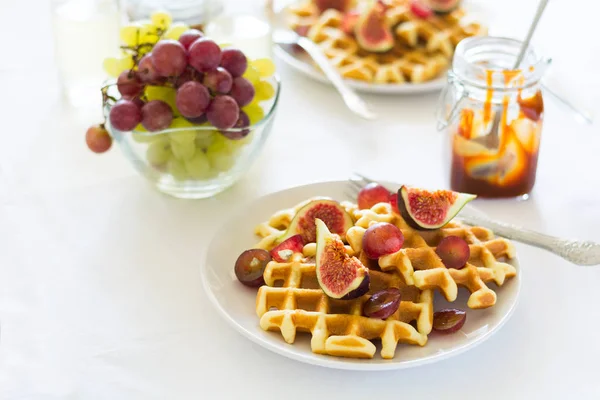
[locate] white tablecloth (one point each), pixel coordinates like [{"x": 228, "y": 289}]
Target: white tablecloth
[{"x": 100, "y": 296}]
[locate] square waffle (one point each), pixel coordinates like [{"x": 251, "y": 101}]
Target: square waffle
[
  {"x": 423, "y": 48},
  {"x": 291, "y": 300}
]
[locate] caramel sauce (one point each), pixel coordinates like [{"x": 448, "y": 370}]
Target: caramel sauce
[{"x": 510, "y": 170}]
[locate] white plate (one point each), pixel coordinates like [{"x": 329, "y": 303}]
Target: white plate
[
  {"x": 236, "y": 303},
  {"x": 302, "y": 63}
]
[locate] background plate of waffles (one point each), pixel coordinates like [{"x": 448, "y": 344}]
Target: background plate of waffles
[
  {"x": 286, "y": 311},
  {"x": 421, "y": 46}
]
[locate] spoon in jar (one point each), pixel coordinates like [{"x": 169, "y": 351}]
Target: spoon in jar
[{"x": 492, "y": 139}]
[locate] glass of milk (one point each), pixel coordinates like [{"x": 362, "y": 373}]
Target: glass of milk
[{"x": 85, "y": 32}]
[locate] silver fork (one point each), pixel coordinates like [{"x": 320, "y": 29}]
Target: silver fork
[{"x": 576, "y": 251}]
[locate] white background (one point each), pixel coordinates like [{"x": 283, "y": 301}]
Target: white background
[{"x": 100, "y": 295}]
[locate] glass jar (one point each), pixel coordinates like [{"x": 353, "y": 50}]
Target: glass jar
[{"x": 493, "y": 115}]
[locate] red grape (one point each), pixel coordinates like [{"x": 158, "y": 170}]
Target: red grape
[
  {"x": 192, "y": 99},
  {"x": 454, "y": 252},
  {"x": 188, "y": 37},
  {"x": 190, "y": 74},
  {"x": 169, "y": 57},
  {"x": 129, "y": 84},
  {"x": 223, "y": 112},
  {"x": 242, "y": 122},
  {"x": 198, "y": 120},
  {"x": 372, "y": 194},
  {"x": 394, "y": 202},
  {"x": 242, "y": 91},
  {"x": 382, "y": 238},
  {"x": 156, "y": 115},
  {"x": 204, "y": 55},
  {"x": 250, "y": 266},
  {"x": 138, "y": 102},
  {"x": 97, "y": 139},
  {"x": 449, "y": 320},
  {"x": 234, "y": 61},
  {"x": 420, "y": 9},
  {"x": 125, "y": 115},
  {"x": 146, "y": 71},
  {"x": 218, "y": 80},
  {"x": 382, "y": 304}
]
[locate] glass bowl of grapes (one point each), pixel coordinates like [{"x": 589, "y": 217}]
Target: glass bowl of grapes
[{"x": 189, "y": 113}]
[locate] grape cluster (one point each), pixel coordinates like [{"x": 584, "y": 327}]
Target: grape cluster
[{"x": 171, "y": 76}]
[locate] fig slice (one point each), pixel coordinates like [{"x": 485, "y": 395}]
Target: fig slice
[
  {"x": 340, "y": 5},
  {"x": 371, "y": 29},
  {"x": 329, "y": 211},
  {"x": 339, "y": 275},
  {"x": 425, "y": 209},
  {"x": 443, "y": 6},
  {"x": 284, "y": 251}
]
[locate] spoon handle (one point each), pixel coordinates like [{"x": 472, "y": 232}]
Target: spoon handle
[{"x": 538, "y": 14}]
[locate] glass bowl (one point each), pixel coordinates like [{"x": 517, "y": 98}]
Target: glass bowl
[{"x": 196, "y": 161}]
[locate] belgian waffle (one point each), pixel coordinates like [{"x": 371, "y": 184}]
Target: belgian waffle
[
  {"x": 422, "y": 51},
  {"x": 291, "y": 300}
]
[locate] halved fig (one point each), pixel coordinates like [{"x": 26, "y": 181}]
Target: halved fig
[
  {"x": 443, "y": 6},
  {"x": 372, "y": 31},
  {"x": 330, "y": 211},
  {"x": 339, "y": 275},
  {"x": 284, "y": 251},
  {"x": 340, "y": 5},
  {"x": 349, "y": 21},
  {"x": 425, "y": 209}
]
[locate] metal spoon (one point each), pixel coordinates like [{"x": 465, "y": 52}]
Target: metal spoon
[
  {"x": 352, "y": 100},
  {"x": 492, "y": 139}
]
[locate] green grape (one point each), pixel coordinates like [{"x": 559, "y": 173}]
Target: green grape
[
  {"x": 255, "y": 112},
  {"x": 125, "y": 62},
  {"x": 138, "y": 135},
  {"x": 159, "y": 152},
  {"x": 175, "y": 31},
  {"x": 161, "y": 19},
  {"x": 148, "y": 33},
  {"x": 205, "y": 139},
  {"x": 129, "y": 34},
  {"x": 183, "y": 136},
  {"x": 198, "y": 167},
  {"x": 177, "y": 169},
  {"x": 263, "y": 91},
  {"x": 183, "y": 150},
  {"x": 220, "y": 156},
  {"x": 164, "y": 93},
  {"x": 265, "y": 66},
  {"x": 111, "y": 67},
  {"x": 252, "y": 75}
]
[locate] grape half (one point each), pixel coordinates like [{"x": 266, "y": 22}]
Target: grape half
[
  {"x": 169, "y": 58},
  {"x": 234, "y": 61},
  {"x": 223, "y": 112},
  {"x": 192, "y": 99},
  {"x": 382, "y": 304},
  {"x": 125, "y": 115},
  {"x": 382, "y": 238},
  {"x": 449, "y": 320},
  {"x": 218, "y": 80},
  {"x": 97, "y": 139},
  {"x": 204, "y": 55},
  {"x": 156, "y": 115},
  {"x": 250, "y": 266},
  {"x": 454, "y": 252},
  {"x": 372, "y": 194},
  {"x": 242, "y": 91}
]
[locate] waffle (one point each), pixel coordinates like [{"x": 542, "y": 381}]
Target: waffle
[
  {"x": 291, "y": 300},
  {"x": 419, "y": 265},
  {"x": 422, "y": 51}
]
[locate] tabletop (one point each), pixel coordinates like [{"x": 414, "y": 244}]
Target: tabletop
[{"x": 100, "y": 291}]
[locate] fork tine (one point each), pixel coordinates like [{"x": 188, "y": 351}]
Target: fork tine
[{"x": 364, "y": 178}]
